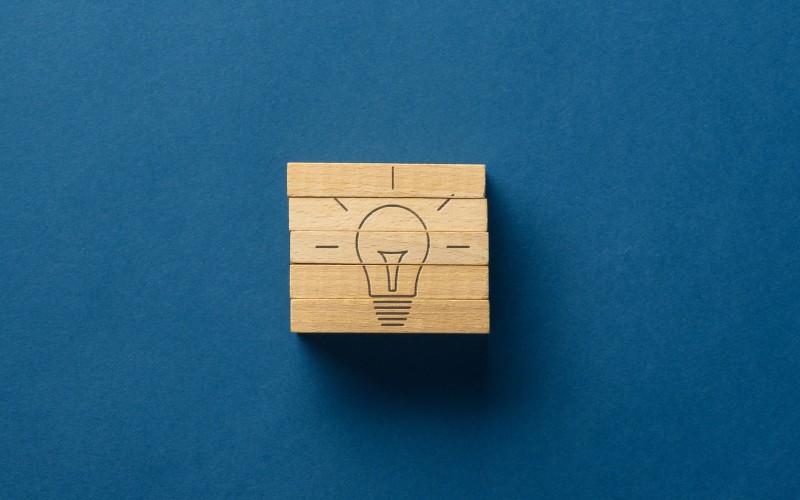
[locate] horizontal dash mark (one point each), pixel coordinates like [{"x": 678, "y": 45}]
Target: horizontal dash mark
[
  {"x": 327, "y": 246},
  {"x": 457, "y": 246}
]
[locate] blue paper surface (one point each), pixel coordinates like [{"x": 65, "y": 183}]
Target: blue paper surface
[{"x": 644, "y": 193}]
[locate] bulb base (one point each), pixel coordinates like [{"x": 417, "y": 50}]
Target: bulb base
[{"x": 392, "y": 312}]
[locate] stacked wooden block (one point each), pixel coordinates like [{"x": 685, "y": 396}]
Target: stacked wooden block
[{"x": 388, "y": 248}]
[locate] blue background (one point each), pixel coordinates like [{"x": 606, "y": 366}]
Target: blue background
[{"x": 644, "y": 190}]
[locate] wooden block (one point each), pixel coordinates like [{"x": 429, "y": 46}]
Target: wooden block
[
  {"x": 331, "y": 281},
  {"x": 392, "y": 247},
  {"x": 388, "y": 248},
  {"x": 398, "y": 214},
  {"x": 389, "y": 316},
  {"x": 386, "y": 180}
]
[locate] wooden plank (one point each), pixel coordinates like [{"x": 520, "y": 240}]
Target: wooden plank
[
  {"x": 380, "y": 247},
  {"x": 396, "y": 214},
  {"x": 353, "y": 281},
  {"x": 368, "y": 316},
  {"x": 386, "y": 180}
]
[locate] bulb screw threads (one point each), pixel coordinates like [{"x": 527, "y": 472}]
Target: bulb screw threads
[{"x": 392, "y": 312}]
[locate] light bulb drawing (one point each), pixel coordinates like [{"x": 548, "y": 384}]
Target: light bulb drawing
[
  {"x": 384, "y": 248},
  {"x": 392, "y": 261}
]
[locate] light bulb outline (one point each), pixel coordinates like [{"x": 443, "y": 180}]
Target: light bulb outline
[{"x": 421, "y": 264}]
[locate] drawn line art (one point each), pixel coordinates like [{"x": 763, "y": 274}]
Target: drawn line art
[
  {"x": 392, "y": 178},
  {"x": 341, "y": 204},
  {"x": 390, "y": 279},
  {"x": 443, "y": 204},
  {"x": 457, "y": 246},
  {"x": 327, "y": 246}
]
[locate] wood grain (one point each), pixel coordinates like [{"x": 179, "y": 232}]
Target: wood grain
[
  {"x": 388, "y": 248},
  {"x": 350, "y": 281},
  {"x": 450, "y": 214},
  {"x": 385, "y": 180},
  {"x": 339, "y": 247},
  {"x": 367, "y": 316}
]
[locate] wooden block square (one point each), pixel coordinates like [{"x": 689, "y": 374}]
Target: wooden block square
[{"x": 388, "y": 248}]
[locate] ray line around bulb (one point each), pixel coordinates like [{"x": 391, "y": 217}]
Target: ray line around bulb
[
  {"x": 341, "y": 204},
  {"x": 392, "y": 324},
  {"x": 391, "y": 301},
  {"x": 392, "y": 307}
]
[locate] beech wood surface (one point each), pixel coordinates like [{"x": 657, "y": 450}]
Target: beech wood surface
[
  {"x": 331, "y": 281},
  {"x": 346, "y": 214},
  {"x": 339, "y": 247},
  {"x": 369, "y": 316},
  {"x": 386, "y": 180}
]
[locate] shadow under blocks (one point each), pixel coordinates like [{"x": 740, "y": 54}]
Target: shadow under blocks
[{"x": 453, "y": 368}]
